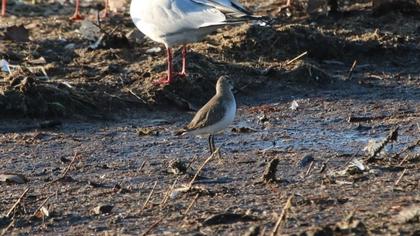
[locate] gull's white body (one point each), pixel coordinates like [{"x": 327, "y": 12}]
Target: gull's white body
[{"x": 174, "y": 22}]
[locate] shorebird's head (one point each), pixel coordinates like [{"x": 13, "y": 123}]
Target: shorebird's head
[{"x": 224, "y": 84}]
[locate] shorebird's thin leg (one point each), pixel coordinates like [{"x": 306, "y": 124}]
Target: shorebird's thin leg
[
  {"x": 213, "y": 148},
  {"x": 3, "y": 7},
  {"x": 106, "y": 11},
  {"x": 76, "y": 15},
  {"x": 183, "y": 72},
  {"x": 211, "y": 145},
  {"x": 169, "y": 77}
]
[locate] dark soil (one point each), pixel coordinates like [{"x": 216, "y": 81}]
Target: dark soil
[{"x": 98, "y": 137}]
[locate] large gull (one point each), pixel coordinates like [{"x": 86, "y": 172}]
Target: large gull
[{"x": 179, "y": 22}]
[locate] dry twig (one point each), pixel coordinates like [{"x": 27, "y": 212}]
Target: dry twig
[
  {"x": 401, "y": 176},
  {"x": 191, "y": 204},
  {"x": 297, "y": 58},
  {"x": 17, "y": 202},
  {"x": 42, "y": 204},
  {"x": 352, "y": 69},
  {"x": 152, "y": 226},
  {"x": 66, "y": 171},
  {"x": 392, "y": 136},
  {"x": 7, "y": 228},
  {"x": 202, "y": 166},
  {"x": 282, "y": 216},
  {"x": 309, "y": 168},
  {"x": 166, "y": 197},
  {"x": 148, "y": 197}
]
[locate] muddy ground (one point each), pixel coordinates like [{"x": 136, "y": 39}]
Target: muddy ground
[{"x": 98, "y": 132}]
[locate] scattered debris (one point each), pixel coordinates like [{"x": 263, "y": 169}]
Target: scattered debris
[
  {"x": 409, "y": 214},
  {"x": 17, "y": 34},
  {"x": 146, "y": 131},
  {"x": 177, "y": 167},
  {"x": 42, "y": 213},
  {"x": 22, "y": 196},
  {"x": 306, "y": 160},
  {"x": 102, "y": 209},
  {"x": 294, "y": 105},
  {"x": 353, "y": 119},
  {"x": 148, "y": 197},
  {"x": 282, "y": 216},
  {"x": 227, "y": 218},
  {"x": 270, "y": 171},
  {"x": 377, "y": 148},
  {"x": 154, "y": 50},
  {"x": 243, "y": 130},
  {"x": 253, "y": 231},
  {"x": 11, "y": 178},
  {"x": 297, "y": 58}
]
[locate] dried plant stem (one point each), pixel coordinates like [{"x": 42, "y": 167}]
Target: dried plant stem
[
  {"x": 166, "y": 197},
  {"x": 148, "y": 197},
  {"x": 42, "y": 204},
  {"x": 153, "y": 226},
  {"x": 17, "y": 202},
  {"x": 7, "y": 228},
  {"x": 297, "y": 58},
  {"x": 352, "y": 69},
  {"x": 66, "y": 171},
  {"x": 202, "y": 166},
  {"x": 309, "y": 168},
  {"x": 142, "y": 165},
  {"x": 401, "y": 176},
  {"x": 191, "y": 205},
  {"x": 282, "y": 216}
]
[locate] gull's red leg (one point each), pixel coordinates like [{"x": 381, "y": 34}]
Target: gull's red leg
[
  {"x": 3, "y": 7},
  {"x": 76, "y": 15},
  {"x": 184, "y": 61},
  {"x": 106, "y": 11},
  {"x": 169, "y": 77}
]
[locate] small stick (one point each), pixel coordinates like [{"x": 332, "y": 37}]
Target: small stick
[
  {"x": 297, "y": 58},
  {"x": 403, "y": 160},
  {"x": 137, "y": 96},
  {"x": 309, "y": 168},
  {"x": 282, "y": 216},
  {"x": 142, "y": 165},
  {"x": 17, "y": 202},
  {"x": 153, "y": 226},
  {"x": 201, "y": 167},
  {"x": 8, "y": 227},
  {"x": 351, "y": 69},
  {"x": 399, "y": 179},
  {"x": 148, "y": 197},
  {"x": 190, "y": 206},
  {"x": 42, "y": 204},
  {"x": 66, "y": 171},
  {"x": 166, "y": 197}
]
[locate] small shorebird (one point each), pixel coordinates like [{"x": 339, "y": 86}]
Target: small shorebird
[
  {"x": 216, "y": 115},
  {"x": 179, "y": 22}
]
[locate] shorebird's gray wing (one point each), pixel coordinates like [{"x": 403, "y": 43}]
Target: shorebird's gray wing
[{"x": 209, "y": 114}]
